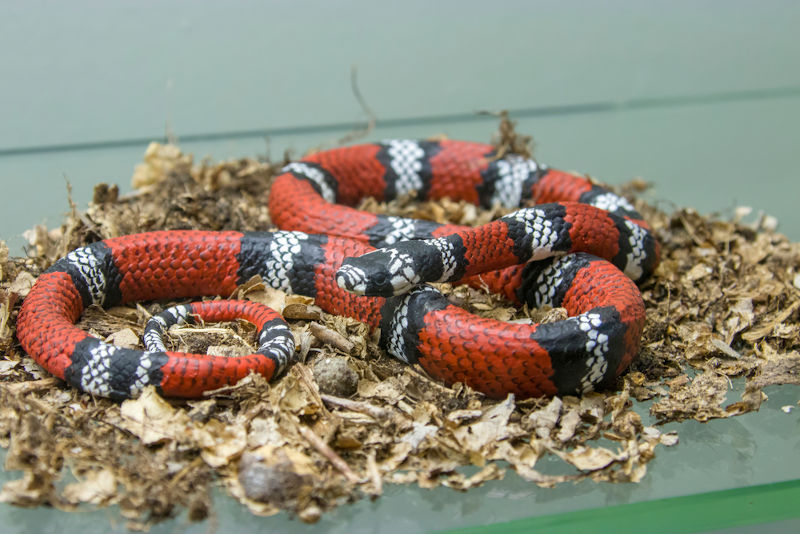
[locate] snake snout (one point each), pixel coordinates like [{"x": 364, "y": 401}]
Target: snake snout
[
  {"x": 352, "y": 279},
  {"x": 365, "y": 277}
]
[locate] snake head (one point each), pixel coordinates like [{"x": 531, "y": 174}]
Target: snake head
[{"x": 381, "y": 273}]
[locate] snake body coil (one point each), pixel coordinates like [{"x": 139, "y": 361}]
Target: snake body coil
[{"x": 548, "y": 254}]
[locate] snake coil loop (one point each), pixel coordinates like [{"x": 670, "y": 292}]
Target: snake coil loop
[{"x": 569, "y": 250}]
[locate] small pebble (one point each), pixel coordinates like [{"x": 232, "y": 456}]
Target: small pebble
[
  {"x": 335, "y": 377},
  {"x": 270, "y": 483}
]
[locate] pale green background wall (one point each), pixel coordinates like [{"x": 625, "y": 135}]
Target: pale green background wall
[{"x": 93, "y": 71}]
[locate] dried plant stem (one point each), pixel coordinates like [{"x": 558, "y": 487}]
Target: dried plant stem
[
  {"x": 355, "y": 406},
  {"x": 326, "y": 335},
  {"x": 328, "y": 453}
]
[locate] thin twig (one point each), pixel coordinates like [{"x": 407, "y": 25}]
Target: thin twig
[
  {"x": 307, "y": 379},
  {"x": 356, "y": 406},
  {"x": 21, "y": 388},
  {"x": 374, "y": 475},
  {"x": 371, "y": 119},
  {"x": 326, "y": 335},
  {"x": 328, "y": 453}
]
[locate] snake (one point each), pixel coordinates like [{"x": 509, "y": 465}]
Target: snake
[{"x": 568, "y": 243}]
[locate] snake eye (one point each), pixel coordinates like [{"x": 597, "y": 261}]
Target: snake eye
[{"x": 380, "y": 284}]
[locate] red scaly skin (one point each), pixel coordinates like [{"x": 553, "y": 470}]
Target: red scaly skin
[
  {"x": 46, "y": 324},
  {"x": 364, "y": 172},
  {"x": 176, "y": 264},
  {"x": 602, "y": 284},
  {"x": 496, "y": 358},
  {"x": 189, "y": 375},
  {"x": 183, "y": 264},
  {"x": 217, "y": 311},
  {"x": 336, "y": 300},
  {"x": 288, "y": 194},
  {"x": 499, "y": 358},
  {"x": 457, "y": 171},
  {"x": 155, "y": 265},
  {"x": 489, "y": 246},
  {"x": 493, "y": 357},
  {"x": 559, "y": 186},
  {"x": 592, "y": 231}
]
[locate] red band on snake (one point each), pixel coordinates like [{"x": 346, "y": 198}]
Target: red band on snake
[{"x": 570, "y": 251}]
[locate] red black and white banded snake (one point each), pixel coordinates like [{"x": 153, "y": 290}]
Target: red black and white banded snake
[{"x": 572, "y": 225}]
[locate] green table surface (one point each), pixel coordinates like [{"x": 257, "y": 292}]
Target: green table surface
[{"x": 701, "y": 98}]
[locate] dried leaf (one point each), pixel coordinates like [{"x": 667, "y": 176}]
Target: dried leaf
[
  {"x": 125, "y": 338},
  {"x": 490, "y": 428},
  {"x": 152, "y": 419},
  {"x": 590, "y": 458},
  {"x": 22, "y": 284},
  {"x": 219, "y": 443},
  {"x": 97, "y": 487}
]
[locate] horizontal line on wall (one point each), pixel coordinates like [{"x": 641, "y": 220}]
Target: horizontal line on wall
[{"x": 451, "y": 118}]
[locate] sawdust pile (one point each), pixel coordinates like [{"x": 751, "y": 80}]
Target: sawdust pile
[{"x": 346, "y": 420}]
